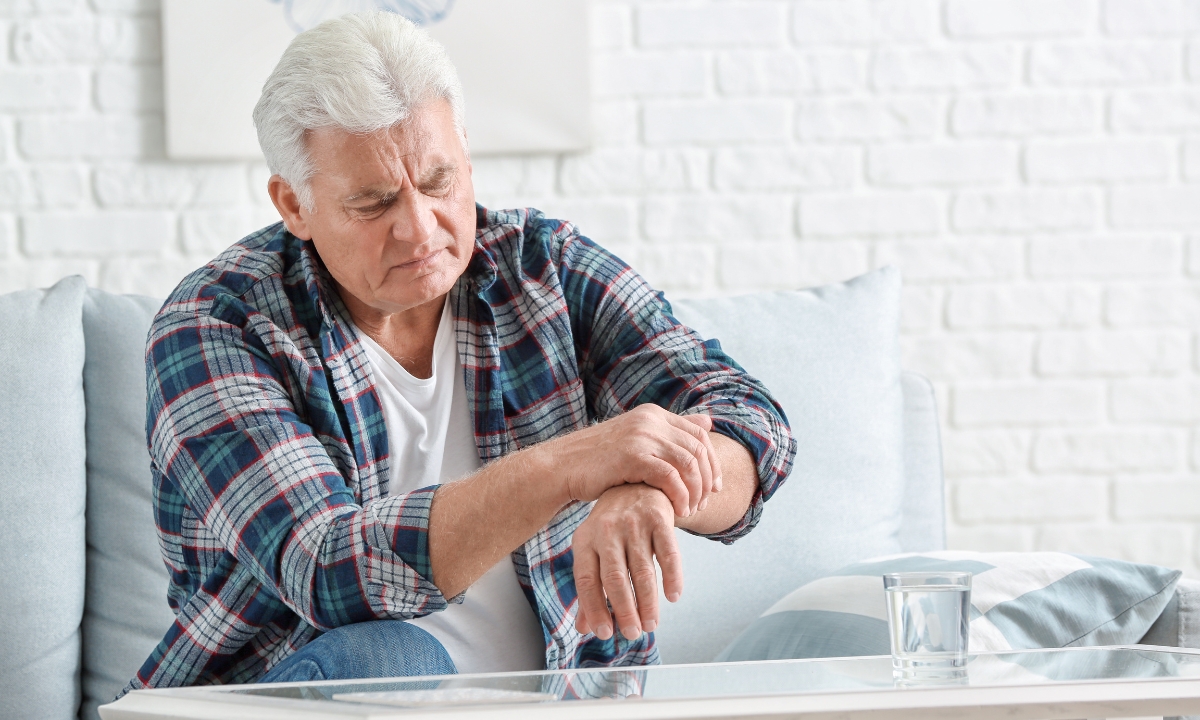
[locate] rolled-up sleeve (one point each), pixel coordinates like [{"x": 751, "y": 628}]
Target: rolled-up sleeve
[
  {"x": 632, "y": 350},
  {"x": 226, "y": 426}
]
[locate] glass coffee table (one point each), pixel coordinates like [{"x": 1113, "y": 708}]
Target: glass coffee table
[{"x": 1110, "y": 682}]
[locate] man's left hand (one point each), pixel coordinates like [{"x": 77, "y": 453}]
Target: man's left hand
[
  {"x": 615, "y": 549},
  {"x": 630, "y": 526}
]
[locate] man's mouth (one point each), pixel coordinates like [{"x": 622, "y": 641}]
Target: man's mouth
[{"x": 423, "y": 261}]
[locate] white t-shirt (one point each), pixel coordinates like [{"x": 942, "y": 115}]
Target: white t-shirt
[{"x": 431, "y": 441}]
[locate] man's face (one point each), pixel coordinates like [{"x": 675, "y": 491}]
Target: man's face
[{"x": 394, "y": 211}]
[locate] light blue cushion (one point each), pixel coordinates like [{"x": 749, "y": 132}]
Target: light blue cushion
[
  {"x": 830, "y": 357},
  {"x": 42, "y": 496},
  {"x": 127, "y": 611},
  {"x": 923, "y": 528},
  {"x": 1019, "y": 601}
]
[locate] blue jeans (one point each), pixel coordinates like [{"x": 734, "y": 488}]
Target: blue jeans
[{"x": 375, "y": 649}]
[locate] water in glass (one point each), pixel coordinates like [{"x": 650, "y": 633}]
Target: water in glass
[{"x": 929, "y": 628}]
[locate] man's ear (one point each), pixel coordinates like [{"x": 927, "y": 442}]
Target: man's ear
[{"x": 289, "y": 207}]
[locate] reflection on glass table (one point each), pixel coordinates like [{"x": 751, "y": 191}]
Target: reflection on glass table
[{"x": 758, "y": 679}]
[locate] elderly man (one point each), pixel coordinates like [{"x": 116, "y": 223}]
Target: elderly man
[{"x": 399, "y": 434}]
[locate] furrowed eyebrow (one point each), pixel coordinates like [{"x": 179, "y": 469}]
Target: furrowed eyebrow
[
  {"x": 372, "y": 194},
  {"x": 438, "y": 175}
]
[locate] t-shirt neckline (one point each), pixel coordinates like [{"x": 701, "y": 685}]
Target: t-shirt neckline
[{"x": 398, "y": 372}]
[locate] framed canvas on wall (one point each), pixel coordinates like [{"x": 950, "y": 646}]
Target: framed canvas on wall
[{"x": 523, "y": 64}]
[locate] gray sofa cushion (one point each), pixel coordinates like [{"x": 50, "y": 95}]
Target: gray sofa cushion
[
  {"x": 831, "y": 358},
  {"x": 42, "y": 496},
  {"x": 127, "y": 611}
]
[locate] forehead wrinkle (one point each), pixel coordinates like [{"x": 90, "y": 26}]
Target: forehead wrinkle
[{"x": 400, "y": 151}]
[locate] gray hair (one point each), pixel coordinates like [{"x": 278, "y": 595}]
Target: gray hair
[{"x": 361, "y": 73}]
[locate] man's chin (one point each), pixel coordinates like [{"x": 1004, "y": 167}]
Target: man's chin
[{"x": 413, "y": 292}]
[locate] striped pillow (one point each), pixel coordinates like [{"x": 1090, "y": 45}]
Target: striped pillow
[{"x": 1019, "y": 601}]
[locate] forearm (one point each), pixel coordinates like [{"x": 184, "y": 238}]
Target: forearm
[
  {"x": 478, "y": 520},
  {"x": 739, "y": 479}
]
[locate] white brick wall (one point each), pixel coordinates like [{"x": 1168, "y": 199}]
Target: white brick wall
[
  {"x": 1033, "y": 166},
  {"x": 1018, "y": 18}
]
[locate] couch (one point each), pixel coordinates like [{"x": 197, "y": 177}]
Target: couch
[{"x": 84, "y": 592}]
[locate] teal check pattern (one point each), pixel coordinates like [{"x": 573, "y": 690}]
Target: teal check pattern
[{"x": 270, "y": 457}]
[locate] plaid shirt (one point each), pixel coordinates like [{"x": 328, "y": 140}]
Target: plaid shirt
[{"x": 270, "y": 455}]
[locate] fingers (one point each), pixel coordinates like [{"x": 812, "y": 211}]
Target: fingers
[
  {"x": 614, "y": 557},
  {"x": 687, "y": 454},
  {"x": 593, "y": 610},
  {"x": 704, "y": 454},
  {"x": 646, "y": 445},
  {"x": 615, "y": 575},
  {"x": 645, "y": 583},
  {"x": 696, "y": 441},
  {"x": 662, "y": 475},
  {"x": 666, "y": 551},
  {"x": 700, "y": 420},
  {"x": 704, "y": 424},
  {"x": 698, "y": 430}
]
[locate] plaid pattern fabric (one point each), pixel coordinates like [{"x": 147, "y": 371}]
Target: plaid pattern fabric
[{"x": 270, "y": 455}]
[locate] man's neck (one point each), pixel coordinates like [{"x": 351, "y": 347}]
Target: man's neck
[{"x": 407, "y": 336}]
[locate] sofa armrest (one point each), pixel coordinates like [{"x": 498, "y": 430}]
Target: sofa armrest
[
  {"x": 43, "y": 493},
  {"x": 1179, "y": 623}
]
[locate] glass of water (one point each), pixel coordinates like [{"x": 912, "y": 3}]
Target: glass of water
[{"x": 928, "y": 618}]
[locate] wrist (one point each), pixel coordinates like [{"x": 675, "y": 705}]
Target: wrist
[
  {"x": 639, "y": 494},
  {"x": 543, "y": 468}
]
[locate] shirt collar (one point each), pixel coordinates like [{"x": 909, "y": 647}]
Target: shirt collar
[{"x": 482, "y": 268}]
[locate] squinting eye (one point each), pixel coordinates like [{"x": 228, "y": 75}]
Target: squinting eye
[{"x": 369, "y": 211}]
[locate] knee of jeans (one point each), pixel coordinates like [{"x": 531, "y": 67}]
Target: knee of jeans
[
  {"x": 303, "y": 670},
  {"x": 426, "y": 656},
  {"x": 386, "y": 648}
]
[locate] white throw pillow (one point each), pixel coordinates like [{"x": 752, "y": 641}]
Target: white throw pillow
[{"x": 1019, "y": 601}]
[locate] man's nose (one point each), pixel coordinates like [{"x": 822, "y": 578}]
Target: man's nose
[{"x": 415, "y": 221}]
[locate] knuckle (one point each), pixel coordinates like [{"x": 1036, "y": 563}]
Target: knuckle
[
  {"x": 665, "y": 472},
  {"x": 642, "y": 416},
  {"x": 669, "y": 556},
  {"x": 614, "y": 578},
  {"x": 643, "y": 575}
]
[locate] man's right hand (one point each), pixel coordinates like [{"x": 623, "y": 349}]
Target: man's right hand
[{"x": 648, "y": 445}]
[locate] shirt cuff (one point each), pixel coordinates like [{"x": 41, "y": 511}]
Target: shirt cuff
[{"x": 771, "y": 445}]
